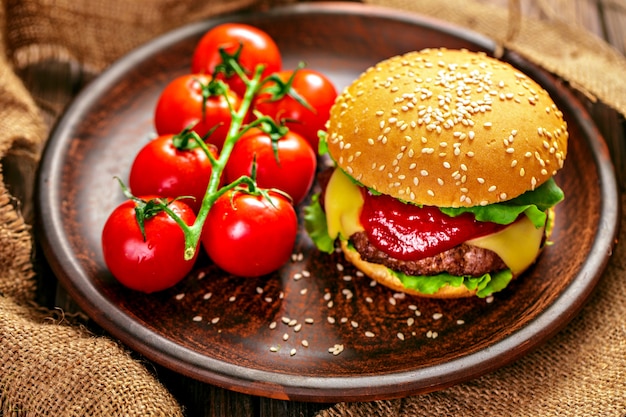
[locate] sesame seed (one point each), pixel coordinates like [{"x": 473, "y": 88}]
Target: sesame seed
[
  {"x": 207, "y": 295},
  {"x": 400, "y": 336},
  {"x": 292, "y": 352},
  {"x": 180, "y": 296},
  {"x": 437, "y": 316},
  {"x": 285, "y": 337},
  {"x": 336, "y": 349},
  {"x": 369, "y": 334},
  {"x": 274, "y": 349},
  {"x": 215, "y": 320},
  {"x": 197, "y": 318}
]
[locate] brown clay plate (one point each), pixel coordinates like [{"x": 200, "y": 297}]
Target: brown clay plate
[{"x": 217, "y": 328}]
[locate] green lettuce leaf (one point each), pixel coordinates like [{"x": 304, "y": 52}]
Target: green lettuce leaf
[
  {"x": 533, "y": 204},
  {"x": 484, "y": 285},
  {"x": 316, "y": 226}
]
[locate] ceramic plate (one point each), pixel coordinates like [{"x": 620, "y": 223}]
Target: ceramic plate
[{"x": 218, "y": 329}]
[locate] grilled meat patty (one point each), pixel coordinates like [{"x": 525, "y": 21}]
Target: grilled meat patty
[{"x": 460, "y": 260}]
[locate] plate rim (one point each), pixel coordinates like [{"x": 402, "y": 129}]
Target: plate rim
[{"x": 293, "y": 387}]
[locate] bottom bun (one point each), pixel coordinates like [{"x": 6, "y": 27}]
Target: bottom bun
[{"x": 384, "y": 276}]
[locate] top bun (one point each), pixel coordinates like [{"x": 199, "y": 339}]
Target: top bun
[{"x": 447, "y": 128}]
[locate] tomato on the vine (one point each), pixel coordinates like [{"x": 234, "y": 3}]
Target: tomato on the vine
[
  {"x": 248, "y": 45},
  {"x": 153, "y": 260},
  {"x": 306, "y": 116},
  {"x": 194, "y": 101},
  {"x": 247, "y": 235},
  {"x": 173, "y": 166},
  {"x": 288, "y": 164}
]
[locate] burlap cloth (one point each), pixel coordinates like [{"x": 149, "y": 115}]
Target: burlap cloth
[{"x": 51, "y": 366}]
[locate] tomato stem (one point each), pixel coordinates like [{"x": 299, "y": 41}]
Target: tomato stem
[{"x": 213, "y": 192}]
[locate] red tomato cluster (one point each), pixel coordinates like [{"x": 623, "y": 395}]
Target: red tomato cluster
[{"x": 235, "y": 154}]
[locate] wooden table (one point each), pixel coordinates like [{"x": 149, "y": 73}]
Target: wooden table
[{"x": 606, "y": 18}]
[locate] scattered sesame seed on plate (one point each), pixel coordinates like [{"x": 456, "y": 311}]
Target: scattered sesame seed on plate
[
  {"x": 305, "y": 343},
  {"x": 272, "y": 325},
  {"x": 197, "y": 318},
  {"x": 207, "y": 295},
  {"x": 400, "y": 335},
  {"x": 369, "y": 334},
  {"x": 214, "y": 320},
  {"x": 180, "y": 296},
  {"x": 292, "y": 352},
  {"x": 437, "y": 316},
  {"x": 336, "y": 349}
]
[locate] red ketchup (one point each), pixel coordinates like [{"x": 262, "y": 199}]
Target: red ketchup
[{"x": 408, "y": 232}]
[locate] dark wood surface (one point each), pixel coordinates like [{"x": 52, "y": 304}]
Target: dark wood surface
[{"x": 61, "y": 83}]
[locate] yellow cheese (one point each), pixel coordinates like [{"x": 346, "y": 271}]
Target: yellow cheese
[
  {"x": 342, "y": 202},
  {"x": 517, "y": 245}
]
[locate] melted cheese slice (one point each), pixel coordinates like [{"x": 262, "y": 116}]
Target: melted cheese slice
[
  {"x": 343, "y": 202},
  {"x": 517, "y": 245}
]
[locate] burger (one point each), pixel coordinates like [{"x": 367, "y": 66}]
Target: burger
[{"x": 442, "y": 173}]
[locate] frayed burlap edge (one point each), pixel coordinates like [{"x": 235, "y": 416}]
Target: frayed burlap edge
[{"x": 53, "y": 369}]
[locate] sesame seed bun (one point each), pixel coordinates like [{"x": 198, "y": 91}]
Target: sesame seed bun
[{"x": 447, "y": 128}]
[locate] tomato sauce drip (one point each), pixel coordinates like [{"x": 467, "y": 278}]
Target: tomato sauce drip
[{"x": 408, "y": 232}]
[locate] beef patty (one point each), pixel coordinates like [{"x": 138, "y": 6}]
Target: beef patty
[{"x": 460, "y": 260}]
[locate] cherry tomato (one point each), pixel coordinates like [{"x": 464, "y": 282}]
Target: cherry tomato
[
  {"x": 172, "y": 166},
  {"x": 191, "y": 100},
  {"x": 247, "y": 235},
  {"x": 257, "y": 47},
  {"x": 151, "y": 264},
  {"x": 316, "y": 90},
  {"x": 293, "y": 172}
]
